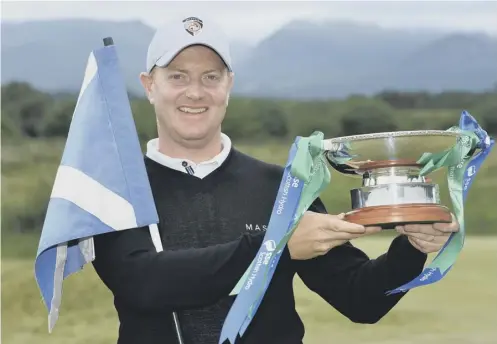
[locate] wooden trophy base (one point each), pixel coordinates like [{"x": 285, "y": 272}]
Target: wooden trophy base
[{"x": 389, "y": 216}]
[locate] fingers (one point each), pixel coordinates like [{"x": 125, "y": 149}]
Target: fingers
[
  {"x": 373, "y": 229},
  {"x": 421, "y": 229},
  {"x": 424, "y": 237},
  {"x": 328, "y": 231},
  {"x": 424, "y": 246},
  {"x": 447, "y": 227},
  {"x": 329, "y": 239},
  {"x": 415, "y": 244},
  {"x": 337, "y": 224},
  {"x": 324, "y": 247},
  {"x": 437, "y": 229},
  {"x": 327, "y": 235}
]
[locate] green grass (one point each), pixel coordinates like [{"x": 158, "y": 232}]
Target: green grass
[{"x": 461, "y": 309}]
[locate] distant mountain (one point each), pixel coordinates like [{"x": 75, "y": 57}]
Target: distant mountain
[
  {"x": 53, "y": 55},
  {"x": 460, "y": 61},
  {"x": 327, "y": 59},
  {"x": 301, "y": 60}
]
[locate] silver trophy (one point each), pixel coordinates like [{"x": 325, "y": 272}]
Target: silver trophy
[{"x": 393, "y": 192}]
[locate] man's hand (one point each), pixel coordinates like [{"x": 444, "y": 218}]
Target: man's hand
[
  {"x": 317, "y": 233},
  {"x": 429, "y": 238}
]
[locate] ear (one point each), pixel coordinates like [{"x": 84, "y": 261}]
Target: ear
[
  {"x": 146, "y": 81},
  {"x": 231, "y": 80},
  {"x": 231, "y": 77}
]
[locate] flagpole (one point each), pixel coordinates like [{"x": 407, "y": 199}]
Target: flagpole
[{"x": 154, "y": 232}]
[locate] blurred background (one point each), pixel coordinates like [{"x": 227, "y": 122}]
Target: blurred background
[{"x": 339, "y": 67}]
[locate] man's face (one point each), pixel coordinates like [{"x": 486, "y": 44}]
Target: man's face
[{"x": 190, "y": 95}]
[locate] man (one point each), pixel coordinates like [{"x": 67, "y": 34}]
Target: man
[{"x": 206, "y": 193}]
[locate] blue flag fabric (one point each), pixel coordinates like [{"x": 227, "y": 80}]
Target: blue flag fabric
[{"x": 101, "y": 184}]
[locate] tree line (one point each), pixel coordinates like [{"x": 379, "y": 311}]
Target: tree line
[
  {"x": 34, "y": 125},
  {"x": 31, "y": 113}
]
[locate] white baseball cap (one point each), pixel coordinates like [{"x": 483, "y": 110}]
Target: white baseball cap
[{"x": 174, "y": 36}]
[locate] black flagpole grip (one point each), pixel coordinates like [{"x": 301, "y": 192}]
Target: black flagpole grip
[{"x": 108, "y": 41}]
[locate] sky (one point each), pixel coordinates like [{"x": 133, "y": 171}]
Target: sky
[{"x": 251, "y": 21}]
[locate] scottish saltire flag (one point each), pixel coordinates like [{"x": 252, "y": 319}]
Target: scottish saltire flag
[{"x": 101, "y": 184}]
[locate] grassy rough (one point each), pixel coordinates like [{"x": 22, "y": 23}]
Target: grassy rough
[{"x": 459, "y": 309}]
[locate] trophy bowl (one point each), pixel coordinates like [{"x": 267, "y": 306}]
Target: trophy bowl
[{"x": 392, "y": 192}]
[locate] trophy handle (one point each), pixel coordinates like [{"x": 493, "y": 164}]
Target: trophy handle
[{"x": 342, "y": 168}]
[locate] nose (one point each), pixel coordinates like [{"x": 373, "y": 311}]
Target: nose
[{"x": 194, "y": 91}]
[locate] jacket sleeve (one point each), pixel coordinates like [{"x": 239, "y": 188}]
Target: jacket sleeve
[
  {"x": 354, "y": 284},
  {"x": 130, "y": 267}
]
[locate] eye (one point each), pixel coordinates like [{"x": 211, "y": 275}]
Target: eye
[
  {"x": 176, "y": 76},
  {"x": 212, "y": 77}
]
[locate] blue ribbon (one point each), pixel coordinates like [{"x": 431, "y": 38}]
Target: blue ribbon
[
  {"x": 433, "y": 274},
  {"x": 281, "y": 221},
  {"x": 467, "y": 122}
]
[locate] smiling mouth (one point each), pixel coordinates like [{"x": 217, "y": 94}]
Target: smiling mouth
[{"x": 190, "y": 110}]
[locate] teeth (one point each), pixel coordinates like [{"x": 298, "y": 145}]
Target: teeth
[{"x": 192, "y": 110}]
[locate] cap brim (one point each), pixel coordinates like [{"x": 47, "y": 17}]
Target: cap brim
[{"x": 166, "y": 59}]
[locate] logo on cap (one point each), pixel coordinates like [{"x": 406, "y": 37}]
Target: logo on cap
[{"x": 193, "y": 25}]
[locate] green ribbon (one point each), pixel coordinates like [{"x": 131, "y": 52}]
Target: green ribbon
[
  {"x": 309, "y": 165},
  {"x": 456, "y": 160}
]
